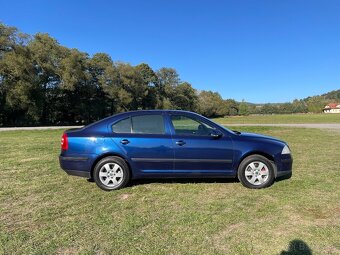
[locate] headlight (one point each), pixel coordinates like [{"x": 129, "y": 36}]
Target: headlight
[{"x": 285, "y": 150}]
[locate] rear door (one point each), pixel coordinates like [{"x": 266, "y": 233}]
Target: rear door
[
  {"x": 197, "y": 151},
  {"x": 146, "y": 141}
]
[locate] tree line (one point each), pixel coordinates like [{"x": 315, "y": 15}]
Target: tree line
[{"x": 45, "y": 83}]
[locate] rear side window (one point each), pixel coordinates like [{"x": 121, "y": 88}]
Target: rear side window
[
  {"x": 144, "y": 124},
  {"x": 148, "y": 124},
  {"x": 123, "y": 126}
]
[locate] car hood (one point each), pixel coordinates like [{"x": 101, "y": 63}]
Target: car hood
[{"x": 260, "y": 137}]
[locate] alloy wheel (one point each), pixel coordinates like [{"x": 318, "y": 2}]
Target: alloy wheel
[
  {"x": 256, "y": 173},
  {"x": 111, "y": 175}
]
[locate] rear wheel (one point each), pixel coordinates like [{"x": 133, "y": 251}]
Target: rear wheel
[
  {"x": 111, "y": 173},
  {"x": 256, "y": 172}
]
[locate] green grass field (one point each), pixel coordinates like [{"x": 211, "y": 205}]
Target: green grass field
[
  {"x": 44, "y": 211},
  {"x": 281, "y": 118}
]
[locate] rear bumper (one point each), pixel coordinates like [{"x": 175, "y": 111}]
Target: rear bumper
[
  {"x": 78, "y": 173},
  {"x": 76, "y": 166}
]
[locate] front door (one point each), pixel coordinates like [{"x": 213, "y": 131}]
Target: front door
[{"x": 198, "y": 150}]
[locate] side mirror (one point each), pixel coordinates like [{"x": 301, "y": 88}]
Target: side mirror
[{"x": 215, "y": 134}]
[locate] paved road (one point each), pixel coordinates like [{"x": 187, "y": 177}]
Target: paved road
[
  {"x": 37, "y": 128},
  {"x": 307, "y": 125}
]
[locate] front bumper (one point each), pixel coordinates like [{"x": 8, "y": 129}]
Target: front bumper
[
  {"x": 284, "y": 167},
  {"x": 282, "y": 175}
]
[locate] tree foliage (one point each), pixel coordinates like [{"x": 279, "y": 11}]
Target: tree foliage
[{"x": 211, "y": 104}]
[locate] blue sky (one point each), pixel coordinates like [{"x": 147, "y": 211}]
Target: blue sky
[{"x": 259, "y": 51}]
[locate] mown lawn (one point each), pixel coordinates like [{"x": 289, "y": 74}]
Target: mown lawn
[
  {"x": 281, "y": 118},
  {"x": 44, "y": 211}
]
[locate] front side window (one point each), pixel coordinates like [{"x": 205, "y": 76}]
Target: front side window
[
  {"x": 184, "y": 125},
  {"x": 144, "y": 124}
]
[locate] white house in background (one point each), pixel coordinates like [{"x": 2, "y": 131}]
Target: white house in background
[{"x": 332, "y": 108}]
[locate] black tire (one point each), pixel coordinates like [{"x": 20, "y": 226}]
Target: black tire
[
  {"x": 255, "y": 159},
  {"x": 111, "y": 160}
]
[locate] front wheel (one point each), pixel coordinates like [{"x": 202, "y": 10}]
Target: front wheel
[
  {"x": 256, "y": 172},
  {"x": 111, "y": 173}
]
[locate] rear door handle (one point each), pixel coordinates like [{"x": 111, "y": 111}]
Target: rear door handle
[
  {"x": 180, "y": 142},
  {"x": 124, "y": 141}
]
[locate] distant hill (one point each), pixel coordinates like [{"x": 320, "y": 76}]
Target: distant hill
[
  {"x": 330, "y": 96},
  {"x": 309, "y": 104}
]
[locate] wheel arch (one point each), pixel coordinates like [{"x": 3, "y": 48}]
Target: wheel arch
[
  {"x": 109, "y": 154},
  {"x": 261, "y": 153}
]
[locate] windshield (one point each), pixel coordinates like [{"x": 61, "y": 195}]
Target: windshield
[{"x": 222, "y": 127}]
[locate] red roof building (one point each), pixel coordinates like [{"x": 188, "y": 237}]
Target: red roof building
[{"x": 332, "y": 108}]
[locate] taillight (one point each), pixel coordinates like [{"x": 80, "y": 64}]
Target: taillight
[{"x": 64, "y": 142}]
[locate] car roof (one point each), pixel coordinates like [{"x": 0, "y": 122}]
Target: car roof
[
  {"x": 122, "y": 114},
  {"x": 156, "y": 111},
  {"x": 141, "y": 112},
  {"x": 102, "y": 124}
]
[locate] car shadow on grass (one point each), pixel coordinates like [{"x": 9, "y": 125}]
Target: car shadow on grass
[
  {"x": 137, "y": 182},
  {"x": 297, "y": 247},
  {"x": 182, "y": 180},
  {"x": 192, "y": 180}
]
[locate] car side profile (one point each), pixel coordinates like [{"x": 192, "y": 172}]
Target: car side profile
[{"x": 171, "y": 144}]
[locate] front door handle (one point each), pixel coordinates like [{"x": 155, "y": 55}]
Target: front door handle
[
  {"x": 180, "y": 142},
  {"x": 124, "y": 141}
]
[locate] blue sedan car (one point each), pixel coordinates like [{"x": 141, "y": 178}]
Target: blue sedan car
[{"x": 169, "y": 143}]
